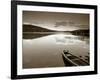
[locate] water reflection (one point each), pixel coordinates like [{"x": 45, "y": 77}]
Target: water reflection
[
  {"x": 45, "y": 50},
  {"x": 70, "y": 39},
  {"x": 33, "y": 36}
]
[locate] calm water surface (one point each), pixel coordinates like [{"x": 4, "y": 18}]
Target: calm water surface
[{"x": 45, "y": 51}]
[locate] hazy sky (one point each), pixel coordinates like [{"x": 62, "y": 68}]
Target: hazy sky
[{"x": 57, "y": 21}]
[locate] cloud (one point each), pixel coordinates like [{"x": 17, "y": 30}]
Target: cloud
[{"x": 64, "y": 23}]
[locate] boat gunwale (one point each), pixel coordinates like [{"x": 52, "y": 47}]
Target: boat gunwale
[{"x": 75, "y": 64}]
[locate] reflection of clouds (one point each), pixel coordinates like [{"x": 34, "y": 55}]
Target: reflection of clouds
[
  {"x": 66, "y": 39},
  {"x": 70, "y": 39},
  {"x": 60, "y": 40}
]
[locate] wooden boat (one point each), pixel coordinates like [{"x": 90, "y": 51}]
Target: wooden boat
[{"x": 72, "y": 60}]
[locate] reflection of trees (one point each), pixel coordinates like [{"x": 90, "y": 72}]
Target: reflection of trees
[
  {"x": 83, "y": 32},
  {"x": 33, "y": 36}
]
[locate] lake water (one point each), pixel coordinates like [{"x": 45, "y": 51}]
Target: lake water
[{"x": 46, "y": 50}]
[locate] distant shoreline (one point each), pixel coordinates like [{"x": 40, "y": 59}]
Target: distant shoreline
[{"x": 45, "y": 32}]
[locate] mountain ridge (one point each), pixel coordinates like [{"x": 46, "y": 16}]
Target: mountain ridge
[{"x": 34, "y": 28}]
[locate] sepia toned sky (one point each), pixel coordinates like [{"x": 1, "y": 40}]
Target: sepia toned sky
[{"x": 57, "y": 21}]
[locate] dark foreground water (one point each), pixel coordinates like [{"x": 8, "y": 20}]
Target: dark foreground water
[{"x": 42, "y": 50}]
